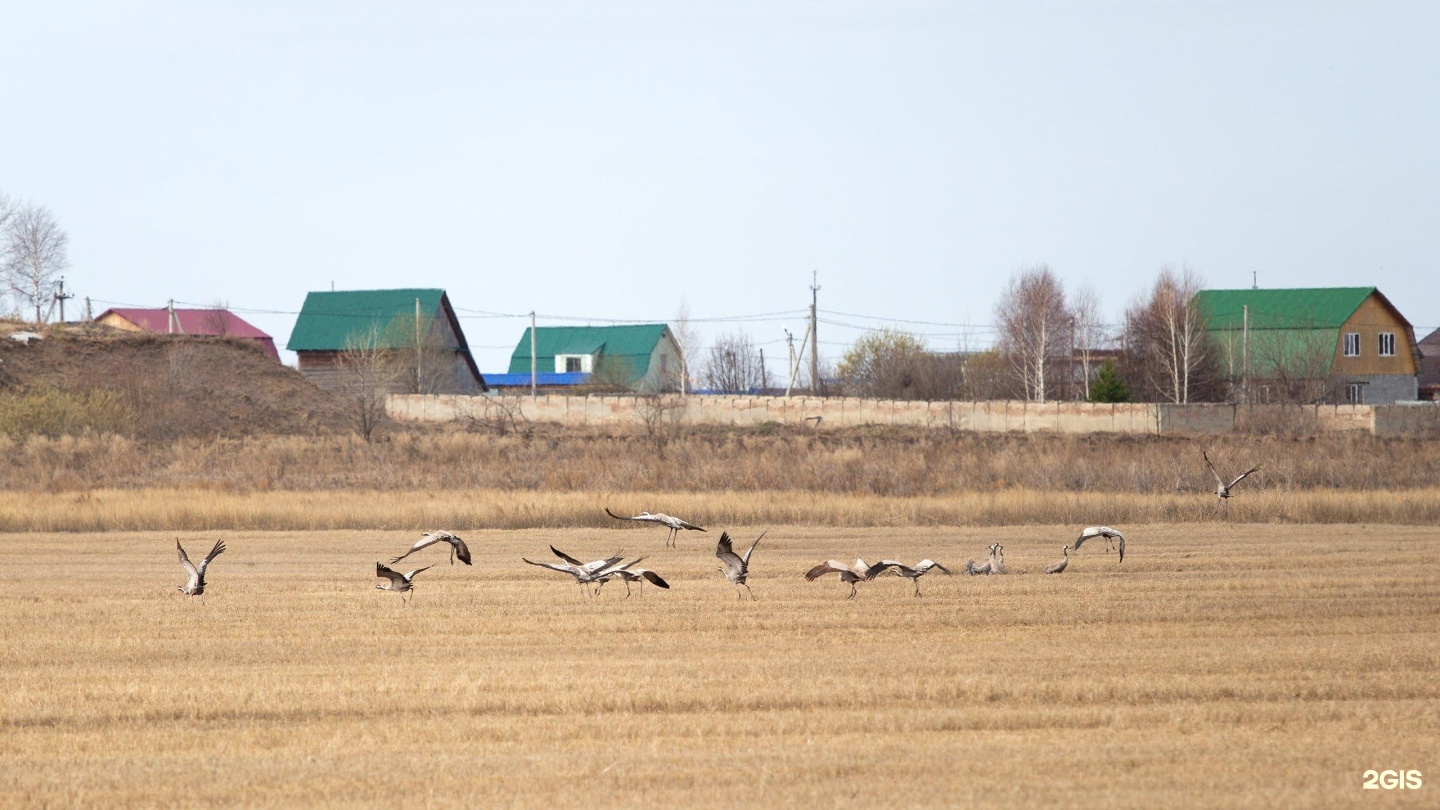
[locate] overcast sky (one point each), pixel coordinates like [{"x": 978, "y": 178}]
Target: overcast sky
[{"x": 620, "y": 160}]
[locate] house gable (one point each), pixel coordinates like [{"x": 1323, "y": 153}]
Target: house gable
[{"x": 618, "y": 355}]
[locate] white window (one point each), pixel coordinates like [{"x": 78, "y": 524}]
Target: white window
[
  {"x": 571, "y": 363},
  {"x": 1352, "y": 344},
  {"x": 1355, "y": 393},
  {"x": 1387, "y": 344}
]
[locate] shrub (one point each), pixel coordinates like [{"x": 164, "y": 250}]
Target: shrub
[{"x": 54, "y": 412}]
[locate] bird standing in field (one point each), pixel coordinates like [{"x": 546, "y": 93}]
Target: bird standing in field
[
  {"x": 860, "y": 572},
  {"x": 1105, "y": 532},
  {"x": 1222, "y": 489},
  {"x": 195, "y": 585},
  {"x": 1059, "y": 567},
  {"x": 457, "y": 546},
  {"x": 584, "y": 573},
  {"x": 911, "y": 573},
  {"x": 991, "y": 566},
  {"x": 676, "y": 525},
  {"x": 735, "y": 567},
  {"x": 398, "y": 582}
]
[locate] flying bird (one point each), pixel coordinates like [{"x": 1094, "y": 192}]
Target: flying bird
[
  {"x": 195, "y": 585},
  {"x": 457, "y": 546},
  {"x": 1101, "y": 531},
  {"x": 912, "y": 574},
  {"x": 627, "y": 573},
  {"x": 1222, "y": 489},
  {"x": 1059, "y": 567},
  {"x": 735, "y": 567},
  {"x": 396, "y": 581},
  {"x": 676, "y": 525},
  {"x": 860, "y": 572},
  {"x": 584, "y": 573}
]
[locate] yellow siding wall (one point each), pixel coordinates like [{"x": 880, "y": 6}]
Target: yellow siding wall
[
  {"x": 113, "y": 320},
  {"x": 1369, "y": 320}
]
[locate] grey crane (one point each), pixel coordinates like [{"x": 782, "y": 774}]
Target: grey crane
[
  {"x": 457, "y": 546},
  {"x": 860, "y": 572},
  {"x": 911, "y": 573},
  {"x": 195, "y": 585},
  {"x": 1222, "y": 489},
  {"x": 991, "y": 566},
  {"x": 1059, "y": 567},
  {"x": 398, "y": 582},
  {"x": 584, "y": 573},
  {"x": 628, "y": 573},
  {"x": 1101, "y": 531},
  {"x": 676, "y": 525},
  {"x": 735, "y": 567}
]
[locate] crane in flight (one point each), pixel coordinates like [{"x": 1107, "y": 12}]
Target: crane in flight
[
  {"x": 195, "y": 585},
  {"x": 860, "y": 572},
  {"x": 676, "y": 525},
  {"x": 911, "y": 573},
  {"x": 1222, "y": 489},
  {"x": 398, "y": 582},
  {"x": 457, "y": 546},
  {"x": 735, "y": 567},
  {"x": 584, "y": 573},
  {"x": 1101, "y": 531}
]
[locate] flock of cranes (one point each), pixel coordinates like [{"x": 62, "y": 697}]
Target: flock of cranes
[{"x": 592, "y": 576}]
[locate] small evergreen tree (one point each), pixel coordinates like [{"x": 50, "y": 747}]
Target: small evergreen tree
[{"x": 1109, "y": 386}]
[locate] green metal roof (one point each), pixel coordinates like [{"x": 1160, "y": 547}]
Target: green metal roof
[
  {"x": 1293, "y": 333},
  {"x": 624, "y": 350},
  {"x": 1307, "y": 308},
  {"x": 329, "y": 319}
]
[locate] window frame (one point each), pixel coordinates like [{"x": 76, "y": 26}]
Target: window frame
[
  {"x": 1355, "y": 393},
  {"x": 1351, "y": 339},
  {"x": 1383, "y": 340}
]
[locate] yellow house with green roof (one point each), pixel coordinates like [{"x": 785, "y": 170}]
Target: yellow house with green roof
[{"x": 1330, "y": 344}]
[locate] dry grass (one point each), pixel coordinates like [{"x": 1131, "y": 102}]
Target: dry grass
[
  {"x": 1222, "y": 665},
  {"x": 900, "y": 463},
  {"x": 206, "y": 509}
]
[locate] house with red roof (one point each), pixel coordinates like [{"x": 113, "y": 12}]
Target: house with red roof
[{"x": 206, "y": 322}]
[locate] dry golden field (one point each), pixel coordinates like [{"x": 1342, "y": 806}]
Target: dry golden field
[{"x": 1223, "y": 664}]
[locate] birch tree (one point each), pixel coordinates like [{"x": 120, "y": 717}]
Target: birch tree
[
  {"x": 1034, "y": 329},
  {"x": 35, "y": 253},
  {"x": 1089, "y": 333},
  {"x": 1167, "y": 340}
]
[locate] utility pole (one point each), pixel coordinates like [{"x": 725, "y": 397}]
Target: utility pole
[
  {"x": 764, "y": 383},
  {"x": 88, "y": 318},
  {"x": 418, "y": 357},
  {"x": 1245, "y": 356},
  {"x": 173, "y": 327},
  {"x": 814, "y": 335},
  {"x": 61, "y": 296},
  {"x": 533, "y": 394}
]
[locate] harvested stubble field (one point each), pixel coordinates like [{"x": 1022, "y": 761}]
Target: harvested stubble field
[{"x": 1235, "y": 665}]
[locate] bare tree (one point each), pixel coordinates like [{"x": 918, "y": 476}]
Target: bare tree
[
  {"x": 685, "y": 339},
  {"x": 34, "y": 255},
  {"x": 367, "y": 374},
  {"x": 1034, "y": 328},
  {"x": 733, "y": 365},
  {"x": 1165, "y": 337},
  {"x": 215, "y": 320},
  {"x": 1087, "y": 331}
]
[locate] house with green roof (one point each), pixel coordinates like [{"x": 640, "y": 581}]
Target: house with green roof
[
  {"x": 1329, "y": 344},
  {"x": 406, "y": 341},
  {"x": 642, "y": 357}
]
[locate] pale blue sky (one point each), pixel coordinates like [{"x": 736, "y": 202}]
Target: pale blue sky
[{"x": 613, "y": 160}]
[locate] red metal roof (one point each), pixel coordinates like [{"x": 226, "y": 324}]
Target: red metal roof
[{"x": 213, "y": 322}]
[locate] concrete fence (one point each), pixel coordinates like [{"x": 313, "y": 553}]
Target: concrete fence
[{"x": 1001, "y": 416}]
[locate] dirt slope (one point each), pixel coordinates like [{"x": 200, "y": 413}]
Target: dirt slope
[{"x": 175, "y": 386}]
